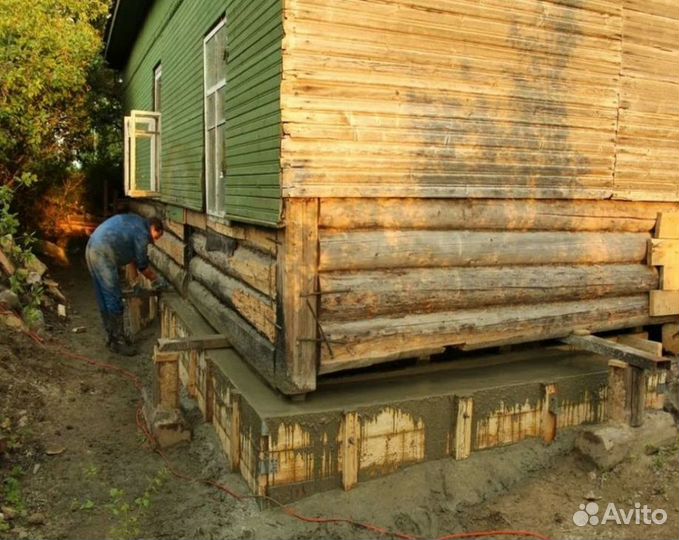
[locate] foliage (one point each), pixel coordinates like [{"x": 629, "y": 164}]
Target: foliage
[
  {"x": 48, "y": 49},
  {"x": 128, "y": 515}
]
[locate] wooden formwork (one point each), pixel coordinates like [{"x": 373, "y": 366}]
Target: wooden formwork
[{"x": 345, "y": 434}]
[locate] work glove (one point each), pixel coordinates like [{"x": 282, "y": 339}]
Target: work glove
[{"x": 160, "y": 284}]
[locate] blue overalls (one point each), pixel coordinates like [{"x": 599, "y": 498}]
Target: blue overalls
[{"x": 118, "y": 241}]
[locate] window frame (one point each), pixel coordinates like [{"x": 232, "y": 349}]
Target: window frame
[
  {"x": 131, "y": 134},
  {"x": 214, "y": 185}
]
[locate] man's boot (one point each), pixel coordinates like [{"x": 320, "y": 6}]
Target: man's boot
[{"x": 118, "y": 343}]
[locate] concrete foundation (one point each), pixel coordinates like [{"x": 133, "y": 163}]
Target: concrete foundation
[{"x": 363, "y": 427}]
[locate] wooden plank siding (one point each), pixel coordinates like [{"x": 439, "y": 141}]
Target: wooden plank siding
[
  {"x": 647, "y": 161},
  {"x": 425, "y": 98},
  {"x": 173, "y": 36}
]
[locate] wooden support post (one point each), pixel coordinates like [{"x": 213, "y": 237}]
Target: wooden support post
[
  {"x": 670, "y": 337},
  {"x": 637, "y": 395},
  {"x": 166, "y": 383},
  {"x": 209, "y": 390},
  {"x": 626, "y": 393},
  {"x": 193, "y": 373},
  {"x": 616, "y": 402},
  {"x": 298, "y": 282},
  {"x": 234, "y": 434},
  {"x": 350, "y": 450},
  {"x": 663, "y": 251},
  {"x": 549, "y": 413},
  {"x": 463, "y": 427}
]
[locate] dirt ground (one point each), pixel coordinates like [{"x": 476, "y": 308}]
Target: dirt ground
[{"x": 75, "y": 466}]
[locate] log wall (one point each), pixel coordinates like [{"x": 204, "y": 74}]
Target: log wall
[
  {"x": 431, "y": 98},
  {"x": 402, "y": 278}
]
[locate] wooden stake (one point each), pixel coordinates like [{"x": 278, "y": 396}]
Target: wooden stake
[
  {"x": 463, "y": 428},
  {"x": 234, "y": 435},
  {"x": 549, "y": 413},
  {"x": 166, "y": 381},
  {"x": 350, "y": 450}
]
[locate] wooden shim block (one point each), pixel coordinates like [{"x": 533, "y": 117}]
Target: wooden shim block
[
  {"x": 350, "y": 450},
  {"x": 632, "y": 356},
  {"x": 637, "y": 395},
  {"x": 669, "y": 278},
  {"x": 663, "y": 252},
  {"x": 548, "y": 422},
  {"x": 664, "y": 303},
  {"x": 190, "y": 343},
  {"x": 670, "y": 337},
  {"x": 298, "y": 283},
  {"x": 234, "y": 435},
  {"x": 652, "y": 347},
  {"x": 616, "y": 397},
  {"x": 667, "y": 225},
  {"x": 463, "y": 427}
]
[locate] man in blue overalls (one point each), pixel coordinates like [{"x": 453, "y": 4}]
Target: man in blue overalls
[{"x": 118, "y": 241}]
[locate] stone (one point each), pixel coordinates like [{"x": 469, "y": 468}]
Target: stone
[
  {"x": 33, "y": 264},
  {"x": 9, "y": 512},
  {"x": 10, "y": 300},
  {"x": 36, "y": 519},
  {"x": 608, "y": 445},
  {"x": 13, "y": 321}
]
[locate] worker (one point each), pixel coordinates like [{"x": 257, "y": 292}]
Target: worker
[{"x": 118, "y": 241}]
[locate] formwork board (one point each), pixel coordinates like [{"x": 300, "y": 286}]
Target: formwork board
[{"x": 343, "y": 434}]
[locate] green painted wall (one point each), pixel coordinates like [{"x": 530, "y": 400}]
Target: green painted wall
[{"x": 173, "y": 36}]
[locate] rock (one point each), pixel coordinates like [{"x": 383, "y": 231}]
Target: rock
[
  {"x": 79, "y": 329},
  {"x": 608, "y": 445},
  {"x": 591, "y": 496},
  {"x": 32, "y": 278},
  {"x": 36, "y": 519},
  {"x": 10, "y": 300},
  {"x": 13, "y": 321},
  {"x": 33, "y": 264},
  {"x": 9, "y": 512}
]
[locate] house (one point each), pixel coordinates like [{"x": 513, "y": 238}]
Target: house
[{"x": 350, "y": 182}]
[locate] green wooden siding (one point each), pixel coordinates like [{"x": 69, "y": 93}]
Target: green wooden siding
[{"x": 173, "y": 36}]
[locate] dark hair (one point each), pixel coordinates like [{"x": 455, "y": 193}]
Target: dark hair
[{"x": 157, "y": 223}]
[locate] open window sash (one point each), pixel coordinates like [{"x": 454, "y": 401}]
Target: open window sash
[{"x": 142, "y": 154}]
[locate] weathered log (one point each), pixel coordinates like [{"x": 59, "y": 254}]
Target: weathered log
[
  {"x": 172, "y": 246},
  {"x": 366, "y": 342},
  {"x": 370, "y": 250},
  {"x": 174, "y": 273},
  {"x": 251, "y": 304},
  {"x": 483, "y": 214},
  {"x": 255, "y": 268},
  {"x": 253, "y": 347},
  {"x": 353, "y": 295}
]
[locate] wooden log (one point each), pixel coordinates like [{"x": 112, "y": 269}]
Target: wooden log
[
  {"x": 355, "y": 295},
  {"x": 261, "y": 238},
  {"x": 253, "y": 267},
  {"x": 370, "y": 250},
  {"x": 635, "y": 357},
  {"x": 298, "y": 283},
  {"x": 173, "y": 247},
  {"x": 546, "y": 215},
  {"x": 253, "y": 347},
  {"x": 365, "y": 342},
  {"x": 251, "y": 304},
  {"x": 175, "y": 228},
  {"x": 174, "y": 273}
]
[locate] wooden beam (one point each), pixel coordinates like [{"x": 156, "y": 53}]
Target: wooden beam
[
  {"x": 652, "y": 347},
  {"x": 298, "y": 285},
  {"x": 189, "y": 343},
  {"x": 632, "y": 356},
  {"x": 166, "y": 380},
  {"x": 637, "y": 395},
  {"x": 234, "y": 435},
  {"x": 663, "y": 252}
]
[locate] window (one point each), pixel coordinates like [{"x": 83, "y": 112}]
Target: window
[
  {"x": 142, "y": 142},
  {"x": 214, "y": 70},
  {"x": 157, "y": 78}
]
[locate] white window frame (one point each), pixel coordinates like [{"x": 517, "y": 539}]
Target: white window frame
[
  {"x": 212, "y": 192},
  {"x": 151, "y": 121}
]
